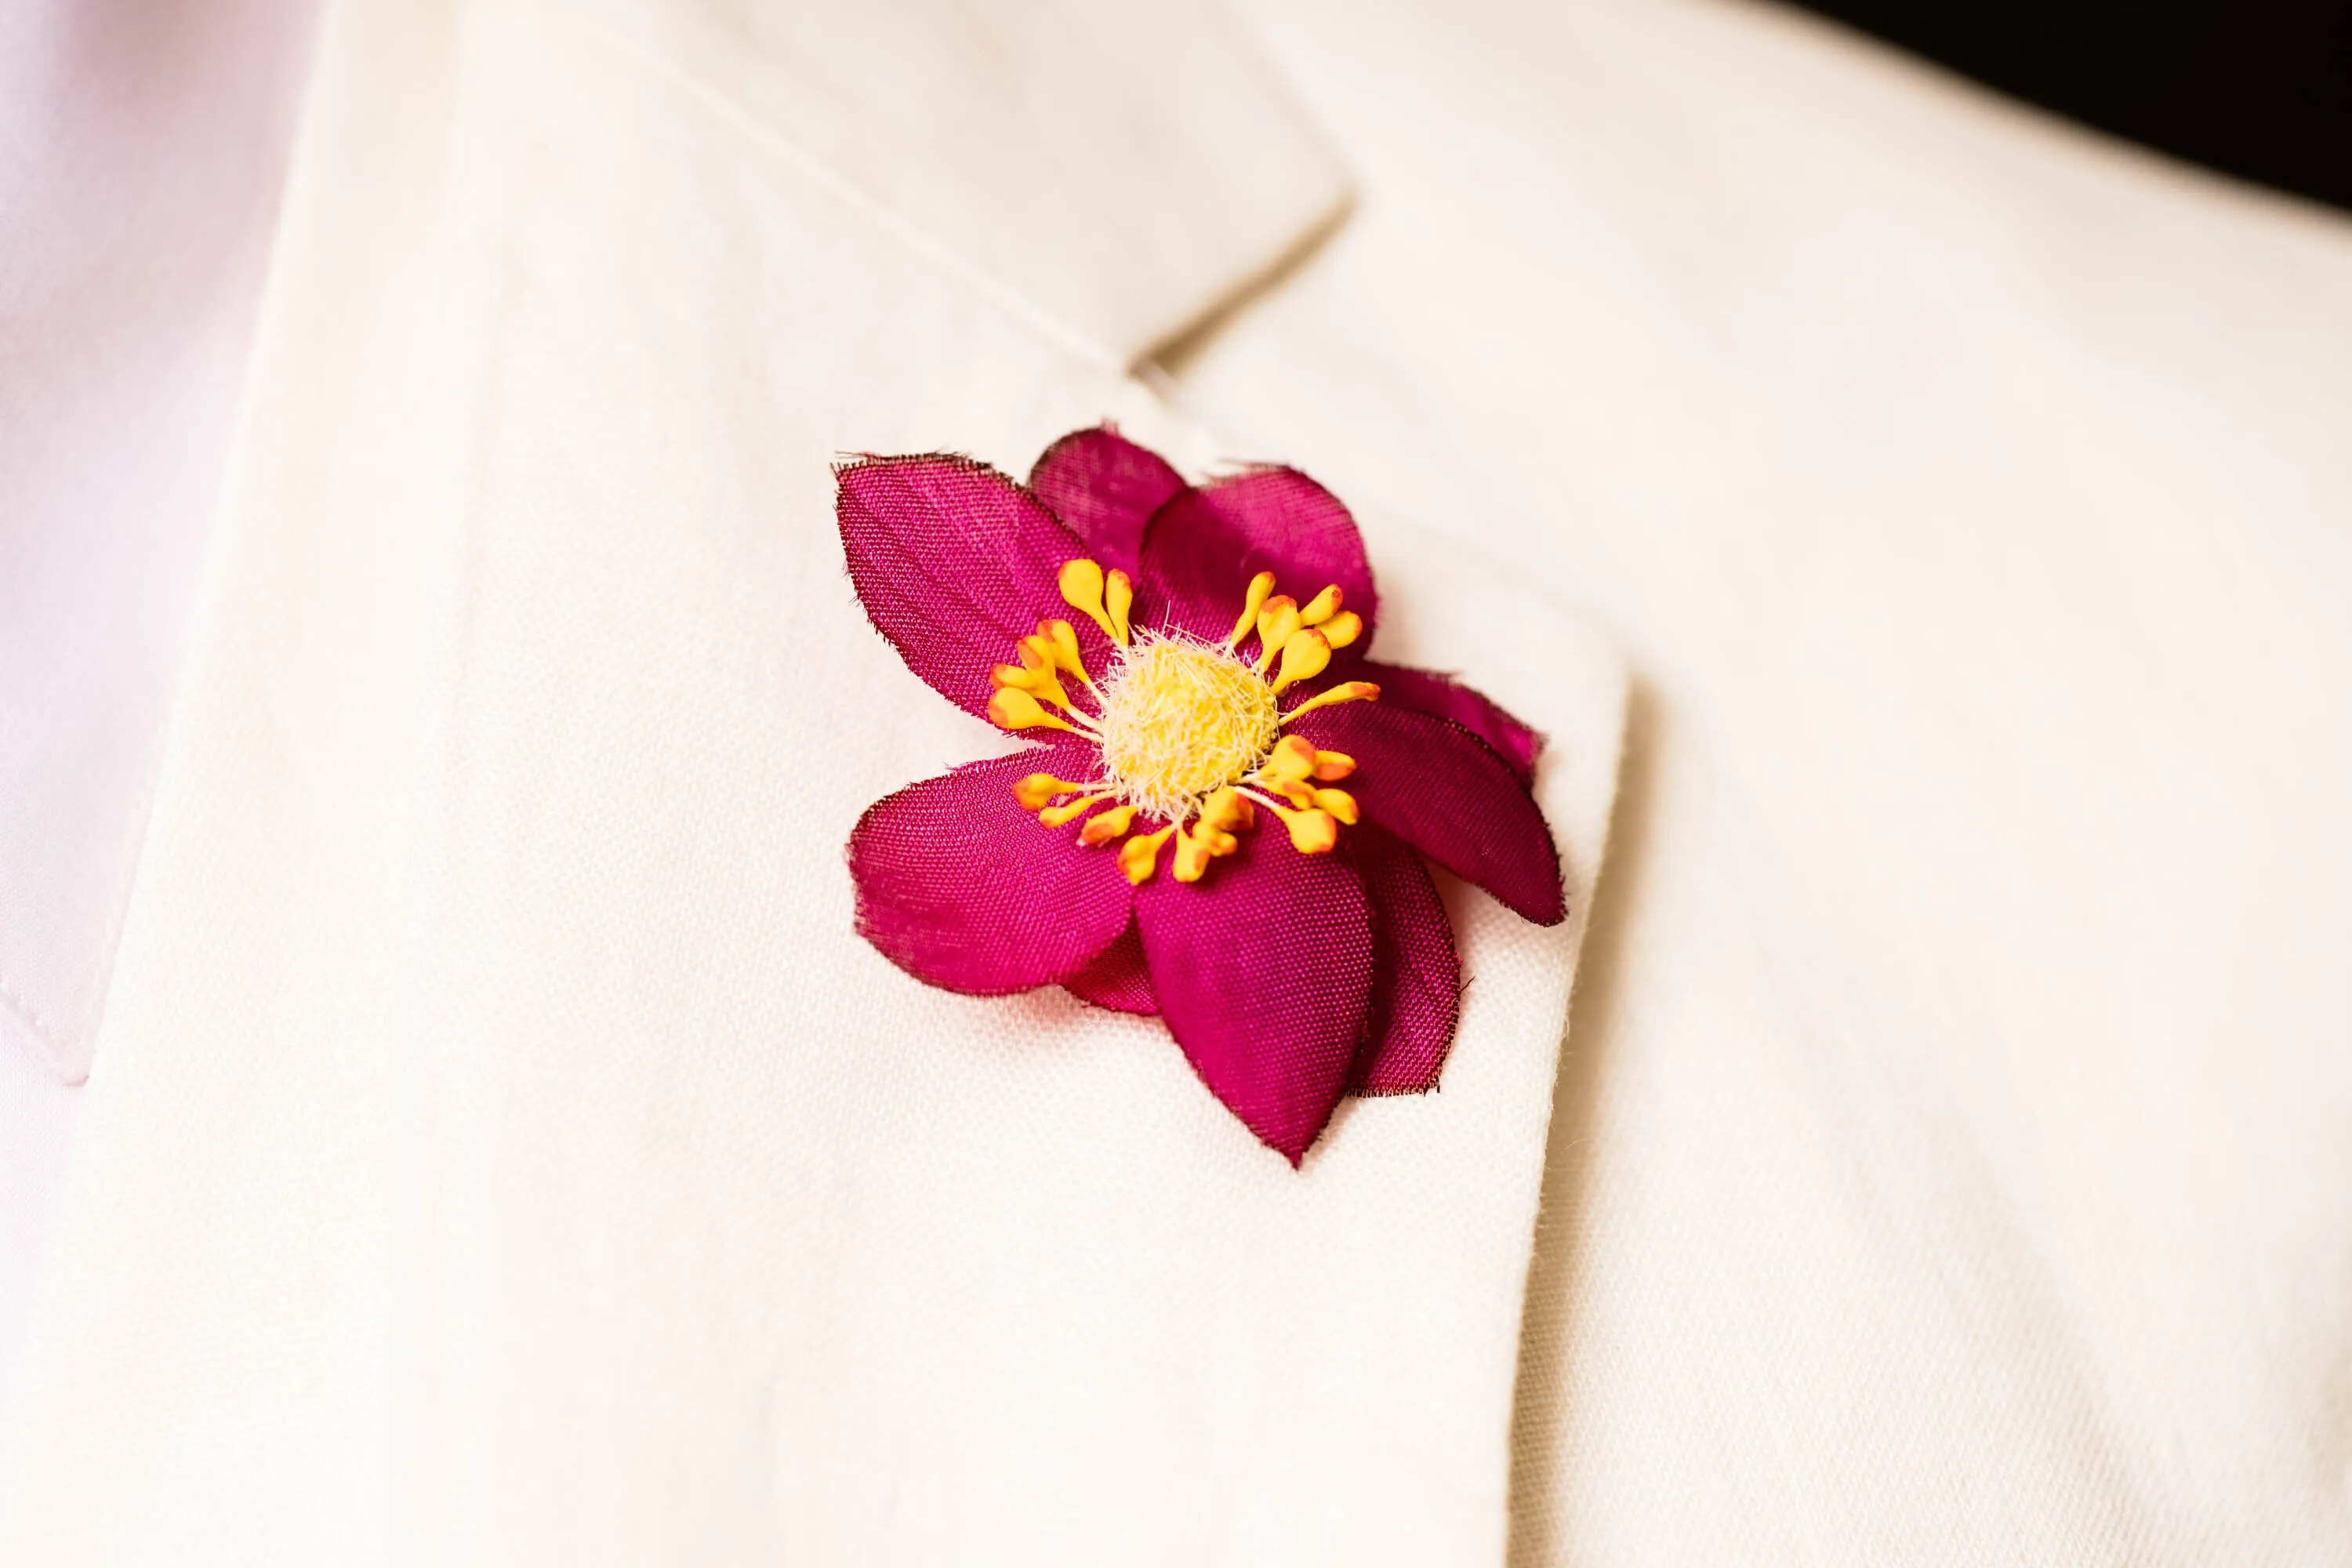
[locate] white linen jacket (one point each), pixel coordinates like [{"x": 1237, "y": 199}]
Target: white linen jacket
[{"x": 502, "y": 1149}]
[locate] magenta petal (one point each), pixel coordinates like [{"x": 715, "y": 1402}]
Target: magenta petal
[
  {"x": 1416, "y": 976},
  {"x": 1118, "y": 978},
  {"x": 955, "y": 563},
  {"x": 962, "y": 888},
  {"x": 1449, "y": 699},
  {"x": 1105, "y": 488},
  {"x": 1203, "y": 547},
  {"x": 1264, "y": 968},
  {"x": 1450, "y": 795}
]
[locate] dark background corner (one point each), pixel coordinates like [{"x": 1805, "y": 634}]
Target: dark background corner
[{"x": 2258, "y": 89}]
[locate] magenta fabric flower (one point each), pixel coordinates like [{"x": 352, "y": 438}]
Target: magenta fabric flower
[{"x": 1225, "y": 820}]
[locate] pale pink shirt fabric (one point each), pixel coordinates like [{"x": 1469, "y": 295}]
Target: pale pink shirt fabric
[{"x": 143, "y": 148}]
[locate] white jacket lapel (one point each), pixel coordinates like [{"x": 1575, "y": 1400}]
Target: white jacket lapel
[{"x": 502, "y": 1147}]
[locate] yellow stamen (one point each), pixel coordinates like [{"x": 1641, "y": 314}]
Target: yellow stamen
[
  {"x": 1082, "y": 589},
  {"x": 1061, "y": 641},
  {"x": 1260, "y": 587},
  {"x": 1139, "y": 857},
  {"x": 1196, "y": 849},
  {"x": 1063, "y": 815},
  {"x": 1037, "y": 791},
  {"x": 1118, "y": 597},
  {"x": 1103, "y": 826},
  {"x": 1330, "y": 767},
  {"x": 1343, "y": 628},
  {"x": 1039, "y": 654},
  {"x": 1346, "y": 691},
  {"x": 1340, "y": 803},
  {"x": 1227, "y": 809},
  {"x": 1275, "y": 622},
  {"x": 1037, "y": 679},
  {"x": 1292, "y": 759},
  {"x": 1303, "y": 658},
  {"x": 1321, "y": 607},
  {"x": 1311, "y": 832},
  {"x": 1013, "y": 709},
  {"x": 1191, "y": 858},
  {"x": 1286, "y": 770}
]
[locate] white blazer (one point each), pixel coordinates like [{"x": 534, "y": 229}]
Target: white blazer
[{"x": 502, "y": 1149}]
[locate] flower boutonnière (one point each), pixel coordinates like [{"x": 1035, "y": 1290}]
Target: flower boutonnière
[{"x": 1224, "y": 817}]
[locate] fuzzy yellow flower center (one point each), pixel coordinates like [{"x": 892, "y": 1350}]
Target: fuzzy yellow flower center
[
  {"x": 1178, "y": 719},
  {"x": 1189, "y": 731}
]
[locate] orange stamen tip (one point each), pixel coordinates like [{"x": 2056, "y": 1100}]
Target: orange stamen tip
[
  {"x": 1312, "y": 831},
  {"x": 1293, "y": 754},
  {"x": 1322, "y": 607},
  {"x": 1038, "y": 683},
  {"x": 1118, "y": 597},
  {"x": 1013, "y": 709},
  {"x": 1343, "y": 628},
  {"x": 1103, "y": 826},
  {"x": 1346, "y": 691},
  {"x": 1060, "y": 640},
  {"x": 1260, "y": 587},
  {"x": 1064, "y": 815},
  {"x": 1139, "y": 857},
  {"x": 1304, "y": 656},
  {"x": 1338, "y": 802},
  {"x": 1196, "y": 849},
  {"x": 1191, "y": 860},
  {"x": 1037, "y": 791},
  {"x": 1330, "y": 767},
  {"x": 1227, "y": 809},
  {"x": 1275, "y": 622}
]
